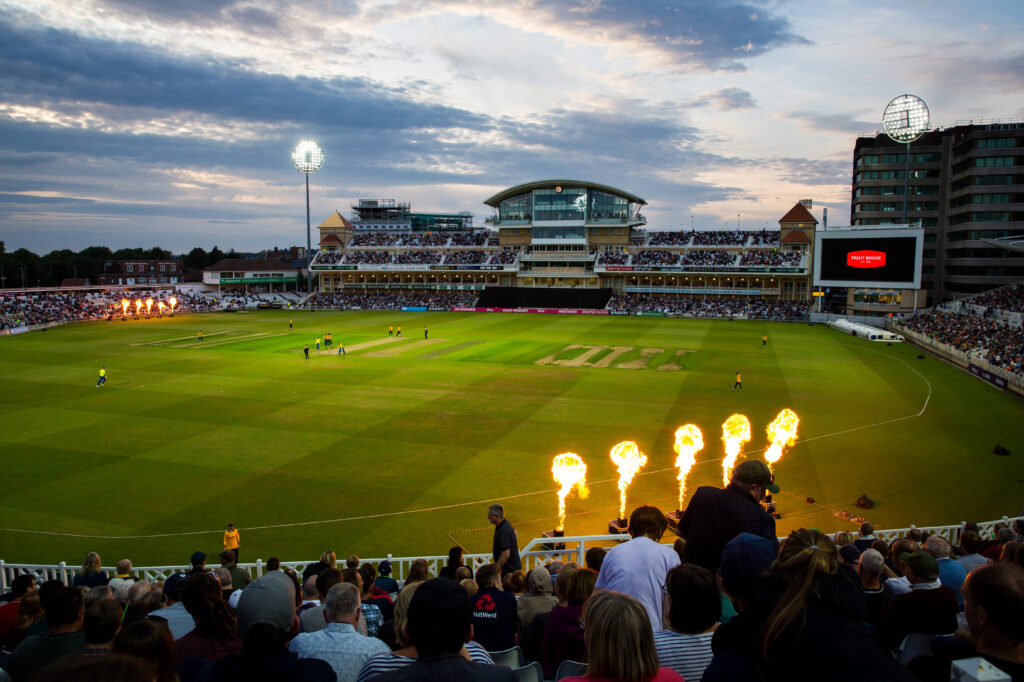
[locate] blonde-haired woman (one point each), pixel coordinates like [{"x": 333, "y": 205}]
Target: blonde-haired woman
[
  {"x": 327, "y": 560},
  {"x": 620, "y": 642},
  {"x": 90, "y": 575}
]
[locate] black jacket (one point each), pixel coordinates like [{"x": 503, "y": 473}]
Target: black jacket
[{"x": 717, "y": 515}]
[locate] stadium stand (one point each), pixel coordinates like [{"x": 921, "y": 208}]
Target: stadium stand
[
  {"x": 392, "y": 300},
  {"x": 811, "y": 598},
  {"x": 999, "y": 344},
  {"x": 760, "y": 309}
]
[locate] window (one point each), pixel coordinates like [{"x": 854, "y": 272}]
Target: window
[
  {"x": 129, "y": 268},
  {"x": 997, "y": 143},
  {"x": 994, "y": 162}
]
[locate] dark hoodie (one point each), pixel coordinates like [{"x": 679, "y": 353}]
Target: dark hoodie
[
  {"x": 828, "y": 642},
  {"x": 563, "y": 638},
  {"x": 538, "y": 597}
]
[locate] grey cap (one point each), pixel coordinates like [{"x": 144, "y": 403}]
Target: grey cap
[{"x": 269, "y": 599}]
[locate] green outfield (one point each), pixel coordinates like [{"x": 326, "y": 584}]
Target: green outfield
[{"x": 398, "y": 446}]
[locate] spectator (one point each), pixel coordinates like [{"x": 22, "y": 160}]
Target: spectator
[
  {"x": 804, "y": 621},
  {"x": 310, "y": 596},
  {"x": 23, "y": 584},
  {"x": 223, "y": 577},
  {"x": 179, "y": 620},
  {"x": 495, "y": 619},
  {"x": 594, "y": 558},
  {"x": 619, "y": 642},
  {"x": 371, "y": 614},
  {"x": 515, "y": 583},
  {"x": 867, "y": 537},
  {"x": 106, "y": 668},
  {"x": 951, "y": 573},
  {"x": 374, "y": 597},
  {"x": 265, "y": 620},
  {"x": 971, "y": 544},
  {"x": 327, "y": 560},
  {"x": 563, "y": 634},
  {"x": 384, "y": 579},
  {"x": 715, "y": 516},
  {"x": 198, "y": 562},
  {"x": 638, "y": 567},
  {"x": 123, "y": 574},
  {"x": 63, "y": 636},
  {"x": 150, "y": 641},
  {"x": 239, "y": 576},
  {"x": 97, "y": 594},
  {"x": 340, "y": 643},
  {"x": 745, "y": 559},
  {"x": 533, "y": 632},
  {"x": 538, "y": 598},
  {"x": 506, "y": 541},
  {"x": 214, "y": 634},
  {"x": 929, "y": 607},
  {"x": 470, "y": 586},
  {"x": 315, "y": 619},
  {"x": 440, "y": 622},
  {"x": 352, "y": 561},
  {"x": 877, "y": 594},
  {"x": 454, "y": 563},
  {"x": 691, "y": 612},
  {"x": 29, "y": 611},
  {"x": 901, "y": 583},
  {"x": 90, "y": 575},
  {"x": 100, "y": 625},
  {"x": 418, "y": 572},
  {"x": 849, "y": 554},
  {"x": 463, "y": 573},
  {"x": 995, "y": 552}
]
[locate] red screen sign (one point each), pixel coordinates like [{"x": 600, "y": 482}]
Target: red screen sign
[{"x": 865, "y": 259}]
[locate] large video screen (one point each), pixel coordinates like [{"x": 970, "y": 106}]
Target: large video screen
[{"x": 869, "y": 258}]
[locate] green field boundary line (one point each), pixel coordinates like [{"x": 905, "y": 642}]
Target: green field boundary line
[{"x": 491, "y": 500}]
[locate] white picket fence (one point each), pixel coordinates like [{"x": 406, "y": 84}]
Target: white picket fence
[{"x": 536, "y": 552}]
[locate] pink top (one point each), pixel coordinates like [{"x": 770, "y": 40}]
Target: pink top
[{"x": 664, "y": 675}]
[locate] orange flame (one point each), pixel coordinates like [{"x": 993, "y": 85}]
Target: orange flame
[
  {"x": 781, "y": 434},
  {"x": 570, "y": 473},
  {"x": 138, "y": 306},
  {"x": 629, "y": 460},
  {"x": 124, "y": 305},
  {"x": 173, "y": 301},
  {"x": 149, "y": 305},
  {"x": 735, "y": 432},
  {"x": 689, "y": 441},
  {"x": 160, "y": 307}
]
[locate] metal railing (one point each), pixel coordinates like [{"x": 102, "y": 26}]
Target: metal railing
[{"x": 537, "y": 552}]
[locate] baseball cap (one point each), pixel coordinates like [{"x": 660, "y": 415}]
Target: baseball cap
[
  {"x": 744, "y": 558},
  {"x": 384, "y": 567},
  {"x": 269, "y": 599},
  {"x": 172, "y": 585},
  {"x": 198, "y": 558},
  {"x": 754, "y": 471},
  {"x": 849, "y": 553},
  {"x": 922, "y": 564}
]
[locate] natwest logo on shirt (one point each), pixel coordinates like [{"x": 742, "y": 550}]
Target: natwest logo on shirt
[
  {"x": 865, "y": 259},
  {"x": 485, "y": 602}
]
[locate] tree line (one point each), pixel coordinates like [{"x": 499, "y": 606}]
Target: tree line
[{"x": 23, "y": 268}]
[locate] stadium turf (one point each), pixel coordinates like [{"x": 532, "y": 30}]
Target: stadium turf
[{"x": 399, "y": 446}]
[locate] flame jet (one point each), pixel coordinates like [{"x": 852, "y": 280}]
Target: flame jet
[
  {"x": 781, "y": 434},
  {"x": 629, "y": 460},
  {"x": 689, "y": 441},
  {"x": 735, "y": 432},
  {"x": 570, "y": 473}
]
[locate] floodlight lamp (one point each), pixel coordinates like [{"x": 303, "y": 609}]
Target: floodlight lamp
[
  {"x": 308, "y": 157},
  {"x": 905, "y": 118}
]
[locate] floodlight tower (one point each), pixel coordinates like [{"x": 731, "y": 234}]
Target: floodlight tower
[
  {"x": 308, "y": 158},
  {"x": 905, "y": 118}
]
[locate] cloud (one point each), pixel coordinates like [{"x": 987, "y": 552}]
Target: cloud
[
  {"x": 831, "y": 122},
  {"x": 725, "y": 99}
]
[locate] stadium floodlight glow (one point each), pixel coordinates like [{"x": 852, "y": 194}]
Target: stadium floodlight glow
[
  {"x": 905, "y": 118},
  {"x": 308, "y": 157}
]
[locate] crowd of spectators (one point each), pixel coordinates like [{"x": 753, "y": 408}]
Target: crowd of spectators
[
  {"x": 727, "y": 601},
  {"x": 368, "y": 257},
  {"x": 474, "y": 238},
  {"x": 773, "y": 258},
  {"x": 720, "y": 238},
  {"x": 655, "y": 257},
  {"x": 764, "y": 238},
  {"x": 466, "y": 257},
  {"x": 418, "y": 257},
  {"x": 1010, "y": 299},
  {"x": 328, "y": 258},
  {"x": 999, "y": 344},
  {"x": 677, "y": 238},
  {"x": 504, "y": 257},
  {"x": 391, "y": 300},
  {"x": 754, "y": 308},
  {"x": 708, "y": 258},
  {"x": 388, "y": 239},
  {"x": 713, "y": 238},
  {"x": 17, "y": 310},
  {"x": 612, "y": 256}
]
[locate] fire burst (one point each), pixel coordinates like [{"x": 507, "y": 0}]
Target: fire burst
[
  {"x": 735, "y": 432},
  {"x": 570, "y": 472},
  {"x": 781, "y": 434},
  {"x": 689, "y": 441},
  {"x": 173, "y": 302},
  {"x": 160, "y": 306},
  {"x": 149, "y": 305},
  {"x": 629, "y": 460},
  {"x": 138, "y": 306},
  {"x": 124, "y": 306}
]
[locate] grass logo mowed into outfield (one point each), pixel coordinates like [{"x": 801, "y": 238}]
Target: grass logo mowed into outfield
[{"x": 618, "y": 357}]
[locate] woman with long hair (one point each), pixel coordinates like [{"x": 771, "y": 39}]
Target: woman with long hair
[
  {"x": 620, "y": 642},
  {"x": 214, "y": 635},
  {"x": 805, "y": 621},
  {"x": 90, "y": 575},
  {"x": 327, "y": 560},
  {"x": 454, "y": 562},
  {"x": 29, "y": 611},
  {"x": 150, "y": 640}
]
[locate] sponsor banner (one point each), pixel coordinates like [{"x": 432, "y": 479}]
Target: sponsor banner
[
  {"x": 467, "y": 267},
  {"x": 620, "y": 312},
  {"x": 709, "y": 268},
  {"x": 437, "y": 309},
  {"x": 460, "y": 287},
  {"x": 259, "y": 280},
  {"x": 414, "y": 308},
  {"x": 317, "y": 268},
  {"x": 691, "y": 290},
  {"x": 544, "y": 311},
  {"x": 650, "y": 314},
  {"x": 20, "y": 330},
  {"x": 988, "y": 376},
  {"x": 618, "y": 268}
]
